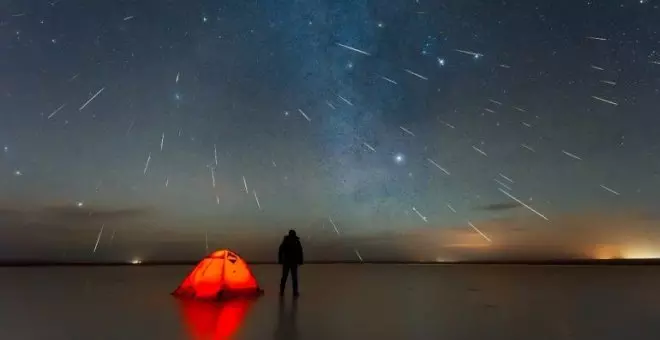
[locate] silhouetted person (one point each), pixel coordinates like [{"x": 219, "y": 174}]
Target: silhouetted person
[{"x": 290, "y": 257}]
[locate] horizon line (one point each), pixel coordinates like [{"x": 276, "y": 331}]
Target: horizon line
[{"x": 27, "y": 263}]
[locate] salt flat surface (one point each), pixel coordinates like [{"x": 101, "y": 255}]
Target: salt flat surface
[{"x": 339, "y": 302}]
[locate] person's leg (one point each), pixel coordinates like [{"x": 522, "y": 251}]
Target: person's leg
[
  {"x": 294, "y": 278},
  {"x": 285, "y": 273}
]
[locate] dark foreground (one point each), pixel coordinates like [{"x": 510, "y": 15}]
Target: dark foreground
[{"x": 339, "y": 302}]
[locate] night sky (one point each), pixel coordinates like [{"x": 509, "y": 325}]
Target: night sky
[{"x": 408, "y": 130}]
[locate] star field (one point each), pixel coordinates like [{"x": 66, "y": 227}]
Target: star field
[{"x": 129, "y": 125}]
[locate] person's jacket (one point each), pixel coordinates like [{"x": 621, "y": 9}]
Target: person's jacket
[{"x": 291, "y": 251}]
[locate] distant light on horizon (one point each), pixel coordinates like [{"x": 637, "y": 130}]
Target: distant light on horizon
[
  {"x": 611, "y": 252},
  {"x": 606, "y": 252},
  {"x": 641, "y": 254},
  {"x": 136, "y": 260}
]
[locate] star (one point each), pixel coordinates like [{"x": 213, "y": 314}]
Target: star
[{"x": 399, "y": 158}]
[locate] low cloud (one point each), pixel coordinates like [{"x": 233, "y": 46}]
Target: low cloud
[
  {"x": 499, "y": 206},
  {"x": 66, "y": 212},
  {"x": 70, "y": 233}
]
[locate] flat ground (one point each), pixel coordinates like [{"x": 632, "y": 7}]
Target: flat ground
[{"x": 340, "y": 302}]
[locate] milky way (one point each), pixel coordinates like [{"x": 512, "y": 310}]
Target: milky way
[{"x": 197, "y": 120}]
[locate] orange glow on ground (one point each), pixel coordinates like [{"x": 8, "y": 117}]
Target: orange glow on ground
[{"x": 214, "y": 321}]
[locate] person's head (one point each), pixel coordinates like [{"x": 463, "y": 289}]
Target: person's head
[{"x": 292, "y": 233}]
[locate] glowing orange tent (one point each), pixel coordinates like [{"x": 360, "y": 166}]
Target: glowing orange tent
[{"x": 221, "y": 274}]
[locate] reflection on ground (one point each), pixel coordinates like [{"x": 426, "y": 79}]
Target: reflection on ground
[
  {"x": 214, "y": 320},
  {"x": 287, "y": 320}
]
